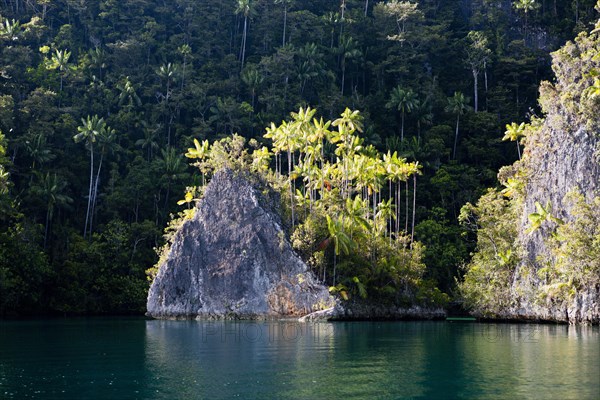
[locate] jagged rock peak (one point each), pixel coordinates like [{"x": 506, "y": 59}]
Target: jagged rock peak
[{"x": 233, "y": 260}]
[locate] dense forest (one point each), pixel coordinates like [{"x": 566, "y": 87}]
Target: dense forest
[{"x": 100, "y": 101}]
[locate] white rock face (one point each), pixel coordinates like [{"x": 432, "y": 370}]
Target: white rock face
[{"x": 232, "y": 260}]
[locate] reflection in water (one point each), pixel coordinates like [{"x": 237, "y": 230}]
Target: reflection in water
[
  {"x": 136, "y": 358},
  {"x": 370, "y": 360}
]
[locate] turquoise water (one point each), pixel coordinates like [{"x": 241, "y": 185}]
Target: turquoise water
[{"x": 110, "y": 358}]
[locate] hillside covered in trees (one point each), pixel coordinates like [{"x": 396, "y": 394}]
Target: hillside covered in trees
[{"x": 101, "y": 99}]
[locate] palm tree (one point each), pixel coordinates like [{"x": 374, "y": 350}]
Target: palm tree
[
  {"x": 167, "y": 72},
  {"x": 457, "y": 105},
  {"x": 394, "y": 171},
  {"x": 403, "y": 101},
  {"x": 10, "y": 29},
  {"x": 244, "y": 7},
  {"x": 128, "y": 94},
  {"x": 414, "y": 171},
  {"x": 185, "y": 50},
  {"x": 200, "y": 152},
  {"x": 286, "y": 4},
  {"x": 50, "y": 188},
  {"x": 341, "y": 241},
  {"x": 384, "y": 216},
  {"x": 38, "y": 149},
  {"x": 348, "y": 144},
  {"x": 347, "y": 50},
  {"x": 310, "y": 65},
  {"x": 173, "y": 169},
  {"x": 288, "y": 140},
  {"x": 514, "y": 133},
  {"x": 88, "y": 131},
  {"x": 106, "y": 140},
  {"x": 354, "y": 212},
  {"x": 98, "y": 59},
  {"x": 61, "y": 60},
  {"x": 423, "y": 115},
  {"x": 149, "y": 141},
  {"x": 526, "y": 6},
  {"x": 252, "y": 78}
]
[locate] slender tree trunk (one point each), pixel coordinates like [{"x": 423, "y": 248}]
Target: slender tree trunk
[
  {"x": 485, "y": 76},
  {"x": 402, "y": 128},
  {"x": 475, "y": 89},
  {"x": 519, "y": 149},
  {"x": 47, "y": 223},
  {"x": 244, "y": 41},
  {"x": 95, "y": 192},
  {"x": 87, "y": 214},
  {"x": 390, "y": 223},
  {"x": 290, "y": 184},
  {"x": 183, "y": 73},
  {"x": 398, "y": 209},
  {"x": 455, "y": 137},
  {"x": 366, "y": 7},
  {"x": 407, "y": 202},
  {"x": 412, "y": 233},
  {"x": 284, "y": 22},
  {"x": 343, "y": 75},
  {"x": 485, "y": 82},
  {"x": 334, "y": 266}
]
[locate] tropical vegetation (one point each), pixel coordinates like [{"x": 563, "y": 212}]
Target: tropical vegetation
[{"x": 101, "y": 99}]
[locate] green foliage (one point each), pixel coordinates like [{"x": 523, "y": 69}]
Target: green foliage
[
  {"x": 499, "y": 275},
  {"x": 342, "y": 225},
  {"x": 162, "y": 76},
  {"x": 487, "y": 279},
  {"x": 574, "y": 263}
]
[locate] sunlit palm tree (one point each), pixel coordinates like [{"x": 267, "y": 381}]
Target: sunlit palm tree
[
  {"x": 514, "y": 133},
  {"x": 89, "y": 130}
]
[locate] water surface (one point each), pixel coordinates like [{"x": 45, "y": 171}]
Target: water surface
[{"x": 136, "y": 358}]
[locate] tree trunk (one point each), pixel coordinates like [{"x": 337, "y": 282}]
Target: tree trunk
[
  {"x": 47, "y": 223},
  {"x": 518, "y": 149},
  {"x": 284, "y": 22},
  {"x": 334, "y": 266},
  {"x": 244, "y": 41},
  {"x": 397, "y": 209},
  {"x": 407, "y": 202},
  {"x": 183, "y": 73},
  {"x": 485, "y": 83},
  {"x": 455, "y": 137},
  {"x": 390, "y": 223},
  {"x": 475, "y": 89},
  {"x": 290, "y": 181},
  {"x": 343, "y": 75},
  {"x": 95, "y": 193},
  {"x": 87, "y": 214},
  {"x": 412, "y": 233},
  {"x": 402, "y": 128}
]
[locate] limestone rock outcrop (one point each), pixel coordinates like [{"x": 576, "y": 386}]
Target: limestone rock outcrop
[
  {"x": 560, "y": 157},
  {"x": 233, "y": 260}
]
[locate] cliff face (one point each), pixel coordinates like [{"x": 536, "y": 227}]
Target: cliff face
[
  {"x": 561, "y": 157},
  {"x": 538, "y": 255},
  {"x": 232, "y": 260}
]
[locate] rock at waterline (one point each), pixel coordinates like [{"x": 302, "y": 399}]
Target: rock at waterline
[{"x": 232, "y": 260}]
